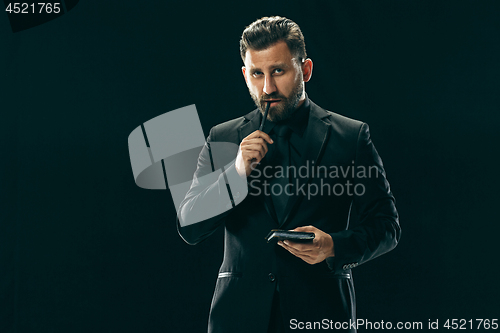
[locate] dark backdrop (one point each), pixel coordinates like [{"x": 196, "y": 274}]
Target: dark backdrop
[{"x": 84, "y": 249}]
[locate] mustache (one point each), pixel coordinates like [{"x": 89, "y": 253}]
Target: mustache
[{"x": 267, "y": 97}]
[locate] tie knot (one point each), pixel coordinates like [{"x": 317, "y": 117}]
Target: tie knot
[{"x": 282, "y": 130}]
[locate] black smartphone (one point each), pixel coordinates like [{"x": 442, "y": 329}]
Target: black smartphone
[{"x": 294, "y": 236}]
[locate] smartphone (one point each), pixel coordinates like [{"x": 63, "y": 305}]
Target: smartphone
[{"x": 294, "y": 236}]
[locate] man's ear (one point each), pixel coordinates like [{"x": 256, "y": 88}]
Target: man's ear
[
  {"x": 307, "y": 69},
  {"x": 243, "y": 70}
]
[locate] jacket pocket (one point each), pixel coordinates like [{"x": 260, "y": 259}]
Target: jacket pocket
[{"x": 338, "y": 275}]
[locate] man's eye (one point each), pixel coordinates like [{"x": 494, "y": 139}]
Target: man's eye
[
  {"x": 278, "y": 71},
  {"x": 257, "y": 73}
]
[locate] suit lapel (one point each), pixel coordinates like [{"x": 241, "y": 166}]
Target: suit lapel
[
  {"x": 251, "y": 125},
  {"x": 317, "y": 135}
]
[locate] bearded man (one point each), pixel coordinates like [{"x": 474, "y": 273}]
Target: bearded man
[{"x": 288, "y": 285}]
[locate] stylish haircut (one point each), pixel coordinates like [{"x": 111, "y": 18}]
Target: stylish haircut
[{"x": 269, "y": 30}]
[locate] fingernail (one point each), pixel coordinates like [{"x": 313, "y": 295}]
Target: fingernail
[{"x": 286, "y": 242}]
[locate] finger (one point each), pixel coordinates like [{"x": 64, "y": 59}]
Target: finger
[
  {"x": 255, "y": 142},
  {"x": 266, "y": 137},
  {"x": 252, "y": 154},
  {"x": 258, "y": 154},
  {"x": 297, "y": 252},
  {"x": 307, "y": 258},
  {"x": 260, "y": 134},
  {"x": 256, "y": 146},
  {"x": 308, "y": 228},
  {"x": 301, "y": 255},
  {"x": 299, "y": 246}
]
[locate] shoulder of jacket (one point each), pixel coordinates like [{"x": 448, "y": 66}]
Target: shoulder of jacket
[
  {"x": 228, "y": 129},
  {"x": 338, "y": 120}
]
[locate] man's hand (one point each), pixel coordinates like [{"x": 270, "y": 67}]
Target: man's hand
[
  {"x": 318, "y": 250},
  {"x": 252, "y": 150}
]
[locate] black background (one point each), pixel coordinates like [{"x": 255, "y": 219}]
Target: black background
[{"x": 83, "y": 249}]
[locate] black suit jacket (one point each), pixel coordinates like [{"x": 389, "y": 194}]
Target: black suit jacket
[{"x": 251, "y": 267}]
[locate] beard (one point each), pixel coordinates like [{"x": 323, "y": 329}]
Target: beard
[{"x": 285, "y": 108}]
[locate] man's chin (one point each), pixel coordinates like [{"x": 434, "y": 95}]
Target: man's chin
[{"x": 278, "y": 115}]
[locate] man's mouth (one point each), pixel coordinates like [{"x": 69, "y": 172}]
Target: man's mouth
[{"x": 274, "y": 102}]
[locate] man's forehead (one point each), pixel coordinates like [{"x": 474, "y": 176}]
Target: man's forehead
[{"x": 276, "y": 54}]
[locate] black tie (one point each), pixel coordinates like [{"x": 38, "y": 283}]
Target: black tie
[{"x": 281, "y": 159}]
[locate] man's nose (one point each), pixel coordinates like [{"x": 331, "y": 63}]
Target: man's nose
[{"x": 269, "y": 85}]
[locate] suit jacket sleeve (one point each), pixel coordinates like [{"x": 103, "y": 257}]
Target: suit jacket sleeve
[
  {"x": 209, "y": 198},
  {"x": 378, "y": 230}
]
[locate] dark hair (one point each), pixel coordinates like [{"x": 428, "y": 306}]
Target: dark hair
[{"x": 269, "y": 30}]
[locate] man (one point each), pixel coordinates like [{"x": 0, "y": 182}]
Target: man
[{"x": 265, "y": 287}]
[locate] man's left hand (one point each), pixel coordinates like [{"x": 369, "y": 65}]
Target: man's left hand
[{"x": 314, "y": 252}]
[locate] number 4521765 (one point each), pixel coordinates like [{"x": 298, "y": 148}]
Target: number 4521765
[{"x": 33, "y": 8}]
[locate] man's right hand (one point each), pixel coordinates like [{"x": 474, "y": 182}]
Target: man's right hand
[{"x": 252, "y": 150}]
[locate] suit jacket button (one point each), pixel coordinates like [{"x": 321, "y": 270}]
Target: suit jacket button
[{"x": 272, "y": 277}]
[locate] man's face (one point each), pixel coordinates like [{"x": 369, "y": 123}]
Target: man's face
[{"x": 273, "y": 74}]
